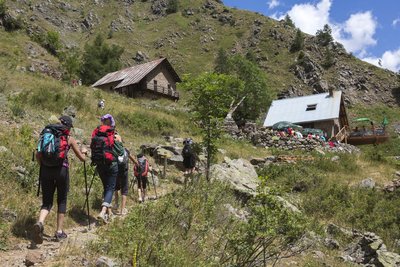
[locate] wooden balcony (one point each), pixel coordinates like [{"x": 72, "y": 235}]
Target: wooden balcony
[{"x": 164, "y": 91}]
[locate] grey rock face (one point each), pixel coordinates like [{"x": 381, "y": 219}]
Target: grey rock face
[{"x": 239, "y": 173}]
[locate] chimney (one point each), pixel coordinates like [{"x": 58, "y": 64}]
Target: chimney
[{"x": 330, "y": 91}]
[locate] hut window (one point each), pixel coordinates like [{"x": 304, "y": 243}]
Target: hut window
[
  {"x": 155, "y": 84},
  {"x": 169, "y": 86},
  {"x": 311, "y": 107}
]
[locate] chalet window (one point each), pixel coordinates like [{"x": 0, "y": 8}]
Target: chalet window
[
  {"x": 155, "y": 85},
  {"x": 311, "y": 107},
  {"x": 169, "y": 86}
]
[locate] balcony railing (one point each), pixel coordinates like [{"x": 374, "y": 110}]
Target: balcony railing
[{"x": 162, "y": 90}]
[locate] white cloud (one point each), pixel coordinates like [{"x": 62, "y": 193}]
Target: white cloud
[
  {"x": 310, "y": 18},
  {"x": 396, "y": 22},
  {"x": 357, "y": 33},
  {"x": 389, "y": 60},
  {"x": 273, "y": 3}
]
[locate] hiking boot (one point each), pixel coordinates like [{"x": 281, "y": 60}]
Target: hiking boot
[
  {"x": 102, "y": 218},
  {"x": 60, "y": 236},
  {"x": 37, "y": 233}
]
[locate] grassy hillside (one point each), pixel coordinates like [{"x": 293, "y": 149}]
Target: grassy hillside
[
  {"x": 191, "y": 37},
  {"x": 324, "y": 190}
]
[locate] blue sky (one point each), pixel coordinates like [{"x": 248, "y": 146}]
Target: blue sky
[{"x": 370, "y": 29}]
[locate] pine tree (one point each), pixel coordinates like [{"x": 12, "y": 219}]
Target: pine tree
[
  {"x": 324, "y": 36},
  {"x": 298, "y": 42},
  {"x": 221, "y": 62},
  {"x": 288, "y": 21},
  {"x": 172, "y": 6}
]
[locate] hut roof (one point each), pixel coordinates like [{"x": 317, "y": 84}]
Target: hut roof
[
  {"x": 135, "y": 74},
  {"x": 305, "y": 109}
]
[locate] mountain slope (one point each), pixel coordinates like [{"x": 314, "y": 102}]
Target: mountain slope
[{"x": 191, "y": 37}]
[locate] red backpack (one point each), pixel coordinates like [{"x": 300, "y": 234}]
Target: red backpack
[
  {"x": 141, "y": 168},
  {"x": 102, "y": 145}
]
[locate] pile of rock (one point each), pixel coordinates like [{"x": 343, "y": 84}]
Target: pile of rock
[{"x": 265, "y": 137}]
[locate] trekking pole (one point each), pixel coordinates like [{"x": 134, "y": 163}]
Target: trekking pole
[
  {"x": 154, "y": 184},
  {"x": 87, "y": 193},
  {"x": 90, "y": 186}
]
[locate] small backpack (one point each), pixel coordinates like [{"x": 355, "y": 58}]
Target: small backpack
[
  {"x": 53, "y": 145},
  {"x": 123, "y": 160},
  {"x": 142, "y": 168},
  {"x": 102, "y": 145},
  {"x": 187, "y": 151}
]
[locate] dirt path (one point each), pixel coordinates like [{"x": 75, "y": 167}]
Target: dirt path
[
  {"x": 52, "y": 253},
  {"x": 27, "y": 254}
]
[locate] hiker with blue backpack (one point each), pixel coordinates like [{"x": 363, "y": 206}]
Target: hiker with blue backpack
[
  {"x": 103, "y": 157},
  {"x": 52, "y": 155}
]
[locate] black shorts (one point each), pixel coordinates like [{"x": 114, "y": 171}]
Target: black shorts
[
  {"x": 189, "y": 162},
  {"x": 52, "y": 179},
  {"x": 122, "y": 181}
]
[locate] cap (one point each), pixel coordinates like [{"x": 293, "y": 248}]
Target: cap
[
  {"x": 67, "y": 121},
  {"x": 139, "y": 155},
  {"x": 110, "y": 117}
]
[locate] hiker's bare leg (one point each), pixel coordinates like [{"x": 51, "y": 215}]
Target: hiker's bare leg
[
  {"x": 140, "y": 193},
  {"x": 123, "y": 203},
  {"x": 43, "y": 214},
  {"x": 60, "y": 221}
]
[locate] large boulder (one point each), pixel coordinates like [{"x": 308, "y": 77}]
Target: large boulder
[{"x": 239, "y": 173}]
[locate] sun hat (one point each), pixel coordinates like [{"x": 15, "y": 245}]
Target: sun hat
[
  {"x": 110, "y": 117},
  {"x": 67, "y": 121}
]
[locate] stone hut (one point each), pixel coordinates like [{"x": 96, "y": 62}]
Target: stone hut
[
  {"x": 153, "y": 80},
  {"x": 324, "y": 111}
]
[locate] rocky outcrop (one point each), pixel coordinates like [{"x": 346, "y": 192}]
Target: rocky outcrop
[
  {"x": 369, "y": 250},
  {"x": 365, "y": 249},
  {"x": 158, "y": 7},
  {"x": 239, "y": 173}
]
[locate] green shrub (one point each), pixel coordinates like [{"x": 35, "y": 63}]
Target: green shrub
[{"x": 172, "y": 6}]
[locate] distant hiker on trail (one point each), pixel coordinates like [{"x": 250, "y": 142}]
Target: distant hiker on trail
[
  {"x": 101, "y": 104},
  {"x": 189, "y": 158},
  {"x": 141, "y": 170},
  {"x": 102, "y": 145},
  {"x": 52, "y": 154},
  {"x": 122, "y": 184}
]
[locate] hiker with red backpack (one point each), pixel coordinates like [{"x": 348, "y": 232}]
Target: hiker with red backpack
[
  {"x": 141, "y": 169},
  {"x": 52, "y": 155},
  {"x": 103, "y": 156}
]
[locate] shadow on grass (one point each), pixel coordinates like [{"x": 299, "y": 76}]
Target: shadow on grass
[
  {"x": 79, "y": 215},
  {"x": 23, "y": 226}
]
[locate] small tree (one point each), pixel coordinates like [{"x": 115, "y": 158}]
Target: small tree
[
  {"x": 52, "y": 42},
  {"x": 212, "y": 96},
  {"x": 258, "y": 97},
  {"x": 298, "y": 42},
  {"x": 221, "y": 62},
  {"x": 288, "y": 21},
  {"x": 269, "y": 233},
  {"x": 71, "y": 63},
  {"x": 99, "y": 59},
  {"x": 172, "y": 6},
  {"x": 324, "y": 36}
]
